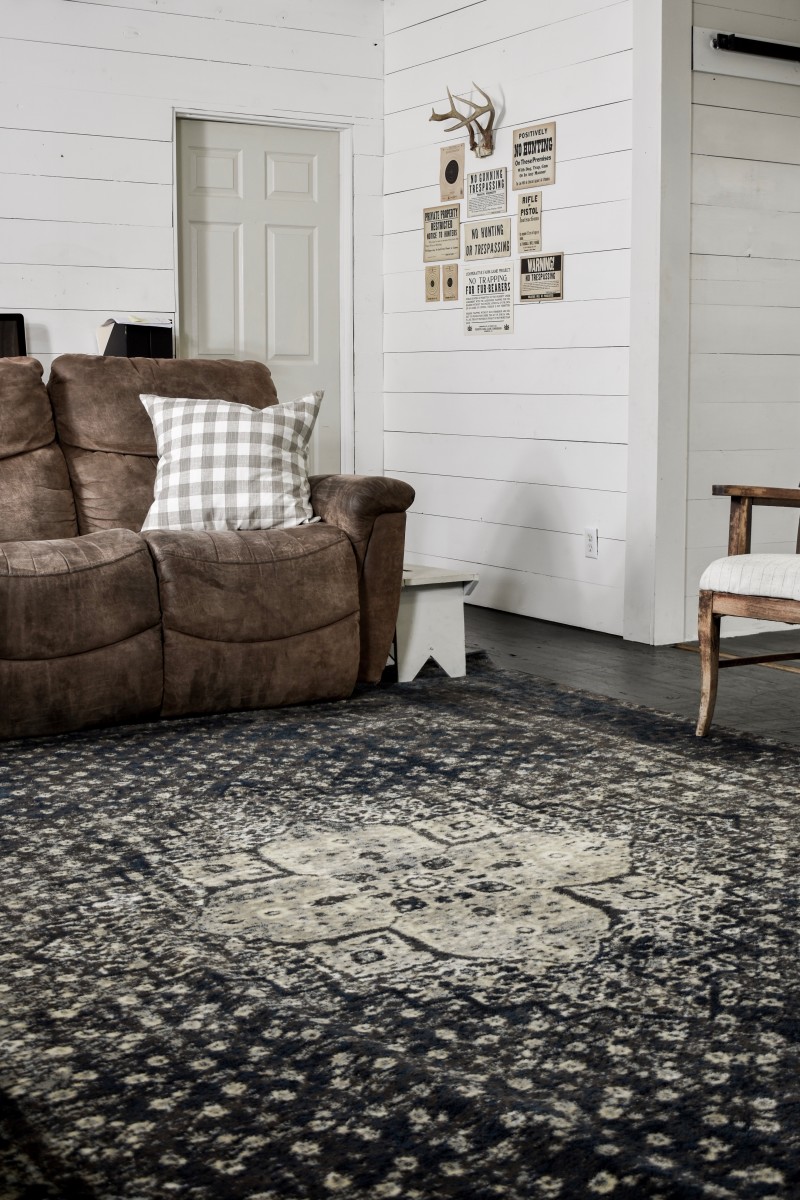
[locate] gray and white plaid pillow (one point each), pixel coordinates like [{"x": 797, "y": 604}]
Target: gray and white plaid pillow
[{"x": 230, "y": 466}]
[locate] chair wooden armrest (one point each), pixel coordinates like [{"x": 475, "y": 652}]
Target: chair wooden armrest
[{"x": 742, "y": 501}]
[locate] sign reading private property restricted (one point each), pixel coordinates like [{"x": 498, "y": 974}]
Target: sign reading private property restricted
[
  {"x": 541, "y": 277},
  {"x": 488, "y": 239},
  {"x": 534, "y": 156},
  {"x": 441, "y": 231}
]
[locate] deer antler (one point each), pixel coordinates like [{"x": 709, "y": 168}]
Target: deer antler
[{"x": 485, "y": 146}]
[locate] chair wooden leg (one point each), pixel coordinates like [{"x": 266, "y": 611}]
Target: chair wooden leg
[{"x": 708, "y": 630}]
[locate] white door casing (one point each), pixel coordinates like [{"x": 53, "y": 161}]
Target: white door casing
[{"x": 259, "y": 258}]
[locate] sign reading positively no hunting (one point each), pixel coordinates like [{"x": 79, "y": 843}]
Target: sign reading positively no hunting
[
  {"x": 488, "y": 239},
  {"x": 541, "y": 277},
  {"x": 441, "y": 231},
  {"x": 486, "y": 192},
  {"x": 534, "y": 156}
]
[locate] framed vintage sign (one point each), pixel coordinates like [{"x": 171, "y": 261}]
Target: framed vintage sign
[
  {"x": 489, "y": 299},
  {"x": 541, "y": 277},
  {"x": 534, "y": 156},
  {"x": 441, "y": 232},
  {"x": 487, "y": 239}
]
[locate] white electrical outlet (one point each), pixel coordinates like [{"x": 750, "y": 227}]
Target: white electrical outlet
[{"x": 590, "y": 541}]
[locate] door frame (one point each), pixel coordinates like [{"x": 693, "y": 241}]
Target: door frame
[{"x": 346, "y": 248}]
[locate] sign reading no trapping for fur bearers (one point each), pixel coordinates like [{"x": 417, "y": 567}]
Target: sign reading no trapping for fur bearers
[
  {"x": 441, "y": 232},
  {"x": 541, "y": 277},
  {"x": 451, "y": 172},
  {"x": 534, "y": 156},
  {"x": 489, "y": 299}
]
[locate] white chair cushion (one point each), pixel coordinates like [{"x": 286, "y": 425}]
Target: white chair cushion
[{"x": 775, "y": 575}]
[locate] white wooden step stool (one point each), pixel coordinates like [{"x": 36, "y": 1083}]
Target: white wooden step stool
[{"x": 430, "y": 620}]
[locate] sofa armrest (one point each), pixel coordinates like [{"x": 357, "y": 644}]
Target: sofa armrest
[
  {"x": 354, "y": 502},
  {"x": 372, "y": 512}
]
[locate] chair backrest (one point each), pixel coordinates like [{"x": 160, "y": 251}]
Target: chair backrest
[
  {"x": 107, "y": 436},
  {"x": 35, "y": 495}
]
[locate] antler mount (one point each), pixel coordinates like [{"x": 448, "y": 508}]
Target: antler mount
[{"x": 481, "y": 137}]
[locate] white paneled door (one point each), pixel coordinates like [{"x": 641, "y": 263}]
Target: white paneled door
[{"x": 259, "y": 234}]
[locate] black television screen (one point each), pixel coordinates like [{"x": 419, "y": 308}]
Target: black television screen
[{"x": 12, "y": 335}]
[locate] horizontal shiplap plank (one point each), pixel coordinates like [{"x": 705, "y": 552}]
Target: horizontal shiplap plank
[
  {"x": 759, "y": 425},
  {"x": 354, "y": 18},
  {"x": 742, "y": 183},
  {"x": 591, "y": 323},
  {"x": 552, "y": 418},
  {"x": 163, "y": 34},
  {"x": 543, "y": 372},
  {"x": 592, "y": 83},
  {"x": 597, "y": 227},
  {"x": 74, "y": 243},
  {"x": 600, "y": 276},
  {"x": 596, "y": 467},
  {"x": 559, "y": 555},
  {"x": 762, "y": 137},
  {"x": 752, "y": 95},
  {"x": 727, "y": 329},
  {"x": 528, "y": 505},
  {"x": 23, "y": 287},
  {"x": 740, "y": 378},
  {"x": 38, "y": 107},
  {"x": 86, "y": 201},
  {"x": 586, "y": 134},
  {"x": 582, "y": 182},
  {"x": 474, "y": 26},
  {"x": 403, "y": 14},
  {"x": 193, "y": 84},
  {"x": 73, "y": 331},
  {"x": 770, "y": 467},
  {"x": 606, "y": 31},
  {"x": 746, "y": 232},
  {"x": 81, "y": 156},
  {"x": 543, "y": 597},
  {"x": 755, "y": 294}
]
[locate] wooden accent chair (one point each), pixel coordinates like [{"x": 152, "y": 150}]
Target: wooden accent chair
[{"x": 764, "y": 586}]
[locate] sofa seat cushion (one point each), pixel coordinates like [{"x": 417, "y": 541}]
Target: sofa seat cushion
[
  {"x": 254, "y": 585},
  {"x": 71, "y": 595},
  {"x": 773, "y": 575},
  {"x": 256, "y": 618}
]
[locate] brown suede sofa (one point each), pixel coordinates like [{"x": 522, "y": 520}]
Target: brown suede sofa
[{"x": 100, "y": 623}]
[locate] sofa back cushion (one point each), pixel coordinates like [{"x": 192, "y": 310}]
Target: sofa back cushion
[
  {"x": 107, "y": 436},
  {"x": 35, "y": 496}
]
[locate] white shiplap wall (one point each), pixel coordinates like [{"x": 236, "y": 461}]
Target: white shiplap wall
[
  {"x": 515, "y": 443},
  {"x": 87, "y": 94},
  {"x": 745, "y": 330}
]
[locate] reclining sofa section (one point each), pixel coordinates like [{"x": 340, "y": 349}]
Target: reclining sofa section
[{"x": 100, "y": 623}]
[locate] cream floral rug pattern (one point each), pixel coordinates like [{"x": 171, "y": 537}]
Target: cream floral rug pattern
[{"x": 459, "y": 938}]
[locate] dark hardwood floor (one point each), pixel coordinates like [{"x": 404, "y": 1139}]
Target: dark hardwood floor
[{"x": 758, "y": 699}]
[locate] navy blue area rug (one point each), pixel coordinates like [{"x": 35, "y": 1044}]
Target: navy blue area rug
[{"x": 479, "y": 938}]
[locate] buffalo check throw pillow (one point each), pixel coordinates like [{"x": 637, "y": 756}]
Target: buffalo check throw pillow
[{"x": 230, "y": 466}]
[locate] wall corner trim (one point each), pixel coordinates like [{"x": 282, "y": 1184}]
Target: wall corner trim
[{"x": 655, "y": 567}]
